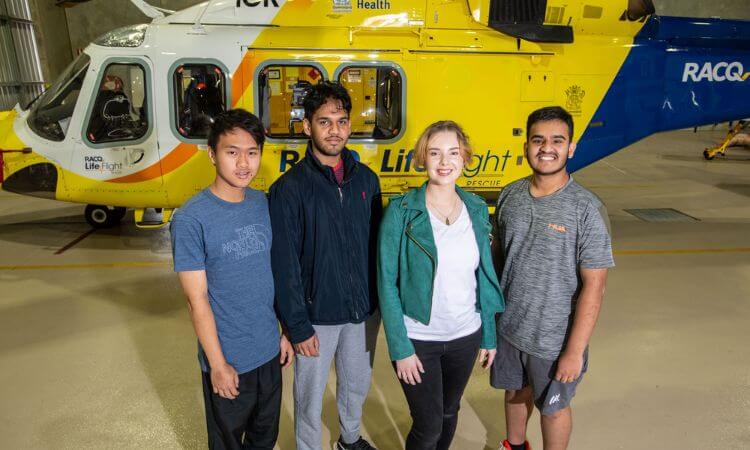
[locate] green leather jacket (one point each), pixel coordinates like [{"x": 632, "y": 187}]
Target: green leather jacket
[{"x": 407, "y": 259}]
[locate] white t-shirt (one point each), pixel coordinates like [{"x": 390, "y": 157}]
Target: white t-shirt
[{"x": 454, "y": 294}]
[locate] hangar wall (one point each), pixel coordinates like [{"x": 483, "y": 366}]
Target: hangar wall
[
  {"x": 726, "y": 9},
  {"x": 52, "y": 36},
  {"x": 87, "y": 21}
]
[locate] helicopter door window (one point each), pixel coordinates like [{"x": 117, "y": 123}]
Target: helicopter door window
[
  {"x": 282, "y": 90},
  {"x": 119, "y": 111},
  {"x": 51, "y": 113},
  {"x": 376, "y": 94},
  {"x": 200, "y": 95}
]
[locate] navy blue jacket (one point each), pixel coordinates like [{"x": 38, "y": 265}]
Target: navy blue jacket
[{"x": 324, "y": 244}]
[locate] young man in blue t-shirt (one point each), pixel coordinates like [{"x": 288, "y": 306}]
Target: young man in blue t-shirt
[{"x": 221, "y": 241}]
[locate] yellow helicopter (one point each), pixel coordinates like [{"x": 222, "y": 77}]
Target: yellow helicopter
[{"x": 125, "y": 125}]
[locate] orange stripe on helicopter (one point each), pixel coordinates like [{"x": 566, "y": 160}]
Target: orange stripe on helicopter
[
  {"x": 243, "y": 77},
  {"x": 241, "y": 81},
  {"x": 183, "y": 152},
  {"x": 177, "y": 157}
]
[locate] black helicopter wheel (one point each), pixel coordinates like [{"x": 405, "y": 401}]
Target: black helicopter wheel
[{"x": 100, "y": 216}]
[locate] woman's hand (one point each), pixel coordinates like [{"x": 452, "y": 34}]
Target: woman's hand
[
  {"x": 487, "y": 357},
  {"x": 408, "y": 370}
]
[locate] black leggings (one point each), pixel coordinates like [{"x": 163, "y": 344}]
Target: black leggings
[{"x": 434, "y": 402}]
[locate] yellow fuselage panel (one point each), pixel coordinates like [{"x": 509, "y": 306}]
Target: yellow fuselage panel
[{"x": 454, "y": 67}]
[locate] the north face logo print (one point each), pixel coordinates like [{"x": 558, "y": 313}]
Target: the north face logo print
[{"x": 252, "y": 239}]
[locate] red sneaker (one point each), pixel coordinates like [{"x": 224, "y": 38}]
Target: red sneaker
[{"x": 506, "y": 445}]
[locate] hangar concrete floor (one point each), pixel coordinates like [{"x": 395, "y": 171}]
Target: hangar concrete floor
[{"x": 97, "y": 350}]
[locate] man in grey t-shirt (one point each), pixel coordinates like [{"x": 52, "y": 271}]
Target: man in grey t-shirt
[{"x": 553, "y": 249}]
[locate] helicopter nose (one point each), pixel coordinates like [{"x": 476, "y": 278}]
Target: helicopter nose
[
  {"x": 37, "y": 180},
  {"x": 2, "y": 160}
]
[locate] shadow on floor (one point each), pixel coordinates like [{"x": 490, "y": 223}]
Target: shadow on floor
[
  {"x": 55, "y": 232},
  {"x": 61, "y": 214},
  {"x": 736, "y": 188}
]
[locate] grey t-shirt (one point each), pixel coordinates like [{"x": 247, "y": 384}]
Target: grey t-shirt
[{"x": 544, "y": 242}]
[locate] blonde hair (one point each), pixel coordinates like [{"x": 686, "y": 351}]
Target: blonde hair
[{"x": 420, "y": 150}]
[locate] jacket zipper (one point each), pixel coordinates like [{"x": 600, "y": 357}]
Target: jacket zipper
[
  {"x": 351, "y": 278},
  {"x": 432, "y": 259}
]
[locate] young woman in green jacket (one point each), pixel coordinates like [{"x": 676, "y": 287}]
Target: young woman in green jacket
[{"x": 437, "y": 286}]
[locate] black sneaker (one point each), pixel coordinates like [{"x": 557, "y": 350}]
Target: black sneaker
[{"x": 361, "y": 444}]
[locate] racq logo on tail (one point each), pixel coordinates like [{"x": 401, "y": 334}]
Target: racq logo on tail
[{"x": 718, "y": 72}]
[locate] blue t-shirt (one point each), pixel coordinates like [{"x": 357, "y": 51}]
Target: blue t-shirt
[{"x": 232, "y": 243}]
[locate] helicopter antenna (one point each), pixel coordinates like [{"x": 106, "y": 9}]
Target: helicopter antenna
[
  {"x": 198, "y": 25},
  {"x": 148, "y": 10}
]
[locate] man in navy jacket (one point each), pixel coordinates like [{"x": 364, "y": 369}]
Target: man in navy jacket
[{"x": 324, "y": 214}]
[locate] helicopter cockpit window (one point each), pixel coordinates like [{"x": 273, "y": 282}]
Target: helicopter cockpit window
[
  {"x": 282, "y": 89},
  {"x": 50, "y": 116},
  {"x": 376, "y": 94},
  {"x": 120, "y": 109},
  {"x": 200, "y": 94}
]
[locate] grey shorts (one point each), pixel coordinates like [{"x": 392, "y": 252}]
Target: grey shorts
[{"x": 514, "y": 369}]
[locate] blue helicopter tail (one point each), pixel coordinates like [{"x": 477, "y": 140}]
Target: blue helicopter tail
[{"x": 680, "y": 73}]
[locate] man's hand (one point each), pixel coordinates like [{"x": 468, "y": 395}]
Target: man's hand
[
  {"x": 569, "y": 367},
  {"x": 287, "y": 352},
  {"x": 310, "y": 347},
  {"x": 225, "y": 381},
  {"x": 408, "y": 369},
  {"x": 487, "y": 357}
]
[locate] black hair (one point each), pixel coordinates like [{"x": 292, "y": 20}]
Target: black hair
[
  {"x": 547, "y": 114},
  {"x": 320, "y": 93},
  {"x": 236, "y": 119}
]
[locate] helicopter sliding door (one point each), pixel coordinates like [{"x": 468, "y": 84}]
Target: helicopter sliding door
[{"x": 118, "y": 142}]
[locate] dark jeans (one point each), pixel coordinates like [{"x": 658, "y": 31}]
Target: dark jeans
[
  {"x": 434, "y": 402},
  {"x": 250, "y": 421}
]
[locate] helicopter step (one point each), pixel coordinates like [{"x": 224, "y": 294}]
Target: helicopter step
[{"x": 152, "y": 218}]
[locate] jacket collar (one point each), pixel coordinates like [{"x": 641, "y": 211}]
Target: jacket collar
[
  {"x": 350, "y": 164},
  {"x": 415, "y": 199}
]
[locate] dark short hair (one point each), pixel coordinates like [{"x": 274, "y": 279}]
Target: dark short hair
[
  {"x": 320, "y": 93},
  {"x": 547, "y": 114},
  {"x": 233, "y": 119}
]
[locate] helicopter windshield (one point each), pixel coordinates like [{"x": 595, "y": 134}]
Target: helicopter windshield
[
  {"x": 130, "y": 36},
  {"x": 51, "y": 115}
]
